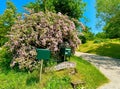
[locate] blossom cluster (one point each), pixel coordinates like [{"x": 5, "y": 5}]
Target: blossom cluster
[{"x": 40, "y": 30}]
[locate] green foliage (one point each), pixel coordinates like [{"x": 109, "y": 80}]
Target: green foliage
[
  {"x": 40, "y": 30},
  {"x": 86, "y": 35},
  {"x": 3, "y": 39},
  {"x": 7, "y": 19},
  {"x": 5, "y": 59},
  {"x": 112, "y": 28},
  {"x": 58, "y": 83},
  {"x": 98, "y": 41},
  {"x": 32, "y": 78},
  {"x": 110, "y": 16},
  {"x": 101, "y": 35},
  {"x": 82, "y": 38},
  {"x": 107, "y": 9},
  {"x": 41, "y": 5},
  {"x": 72, "y": 8}
]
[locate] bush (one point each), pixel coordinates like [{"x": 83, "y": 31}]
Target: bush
[
  {"x": 101, "y": 40},
  {"x": 5, "y": 59},
  {"x": 97, "y": 41},
  {"x": 83, "y": 39},
  {"x": 101, "y": 35},
  {"x": 3, "y": 40},
  {"x": 40, "y": 30}
]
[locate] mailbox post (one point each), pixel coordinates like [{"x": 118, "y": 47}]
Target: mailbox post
[{"x": 42, "y": 54}]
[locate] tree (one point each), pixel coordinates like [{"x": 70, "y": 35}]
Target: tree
[
  {"x": 101, "y": 35},
  {"x": 7, "y": 19},
  {"x": 86, "y": 35},
  {"x": 41, "y": 5},
  {"x": 112, "y": 28},
  {"x": 72, "y": 8},
  {"x": 40, "y": 30},
  {"x": 107, "y": 9}
]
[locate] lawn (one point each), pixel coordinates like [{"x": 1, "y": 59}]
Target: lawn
[
  {"x": 16, "y": 79},
  {"x": 104, "y": 47}
]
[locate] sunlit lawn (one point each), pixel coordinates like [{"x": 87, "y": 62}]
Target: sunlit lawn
[{"x": 109, "y": 48}]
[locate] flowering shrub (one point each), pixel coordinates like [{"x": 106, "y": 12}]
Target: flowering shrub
[{"x": 40, "y": 30}]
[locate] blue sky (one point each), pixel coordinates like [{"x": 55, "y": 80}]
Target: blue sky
[
  {"x": 90, "y": 12},
  {"x": 18, "y": 4}
]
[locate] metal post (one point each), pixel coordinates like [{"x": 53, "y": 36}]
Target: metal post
[{"x": 41, "y": 70}]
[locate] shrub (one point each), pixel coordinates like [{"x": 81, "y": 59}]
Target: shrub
[
  {"x": 40, "y": 30},
  {"x": 101, "y": 35},
  {"x": 98, "y": 41},
  {"x": 83, "y": 39},
  {"x": 5, "y": 59}
]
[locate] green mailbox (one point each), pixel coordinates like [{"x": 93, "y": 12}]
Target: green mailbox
[
  {"x": 66, "y": 51},
  {"x": 43, "y": 54}
]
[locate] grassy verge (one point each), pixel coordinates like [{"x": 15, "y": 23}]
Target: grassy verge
[
  {"x": 105, "y": 48},
  {"x": 11, "y": 79},
  {"x": 92, "y": 76}
]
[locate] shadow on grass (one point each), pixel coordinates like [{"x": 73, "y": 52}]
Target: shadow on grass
[
  {"x": 32, "y": 78},
  {"x": 108, "y": 49},
  {"x": 5, "y": 64}
]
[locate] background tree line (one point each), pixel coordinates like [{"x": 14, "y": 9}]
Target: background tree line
[{"x": 108, "y": 12}]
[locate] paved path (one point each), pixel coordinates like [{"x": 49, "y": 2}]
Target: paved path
[{"x": 110, "y": 67}]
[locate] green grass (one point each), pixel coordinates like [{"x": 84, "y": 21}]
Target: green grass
[
  {"x": 105, "y": 48},
  {"x": 92, "y": 76},
  {"x": 15, "y": 79}
]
